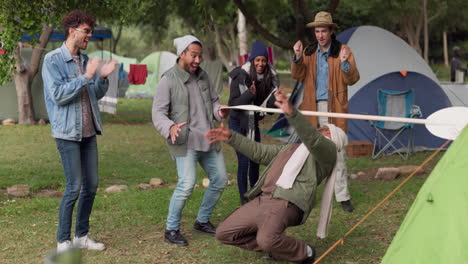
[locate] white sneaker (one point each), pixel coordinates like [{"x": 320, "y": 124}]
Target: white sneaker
[
  {"x": 64, "y": 246},
  {"x": 88, "y": 243}
]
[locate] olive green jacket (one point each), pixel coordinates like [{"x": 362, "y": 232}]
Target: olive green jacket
[{"x": 318, "y": 166}]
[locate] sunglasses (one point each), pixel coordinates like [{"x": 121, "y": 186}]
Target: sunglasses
[{"x": 86, "y": 31}]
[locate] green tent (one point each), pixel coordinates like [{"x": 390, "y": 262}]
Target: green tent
[
  {"x": 157, "y": 63},
  {"x": 435, "y": 230}
]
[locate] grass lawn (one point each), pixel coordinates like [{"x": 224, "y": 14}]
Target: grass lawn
[{"x": 132, "y": 223}]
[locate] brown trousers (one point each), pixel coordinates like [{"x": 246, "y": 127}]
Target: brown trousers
[{"x": 259, "y": 226}]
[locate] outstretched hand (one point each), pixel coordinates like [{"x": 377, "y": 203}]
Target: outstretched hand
[
  {"x": 218, "y": 134},
  {"x": 283, "y": 103},
  {"x": 174, "y": 131}
]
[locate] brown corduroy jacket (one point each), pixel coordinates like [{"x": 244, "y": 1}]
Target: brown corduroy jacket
[{"x": 305, "y": 70}]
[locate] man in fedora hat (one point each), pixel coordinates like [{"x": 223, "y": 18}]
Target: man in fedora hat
[{"x": 326, "y": 67}]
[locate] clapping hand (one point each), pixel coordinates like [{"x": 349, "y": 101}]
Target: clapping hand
[
  {"x": 252, "y": 88},
  {"x": 91, "y": 67},
  {"x": 108, "y": 68}
]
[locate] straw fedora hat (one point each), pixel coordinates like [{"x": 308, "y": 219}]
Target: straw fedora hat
[{"x": 322, "y": 19}]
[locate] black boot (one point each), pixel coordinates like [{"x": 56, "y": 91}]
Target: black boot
[
  {"x": 347, "y": 206},
  {"x": 175, "y": 237},
  {"x": 207, "y": 228},
  {"x": 244, "y": 200}
]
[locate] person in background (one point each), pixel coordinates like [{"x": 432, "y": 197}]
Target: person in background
[
  {"x": 327, "y": 67},
  {"x": 251, "y": 84},
  {"x": 72, "y": 88},
  {"x": 456, "y": 65},
  {"x": 184, "y": 108}
]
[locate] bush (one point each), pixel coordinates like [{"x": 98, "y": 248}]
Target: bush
[{"x": 282, "y": 65}]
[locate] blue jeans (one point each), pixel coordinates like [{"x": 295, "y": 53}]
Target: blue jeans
[
  {"x": 247, "y": 170},
  {"x": 80, "y": 164},
  {"x": 213, "y": 164}
]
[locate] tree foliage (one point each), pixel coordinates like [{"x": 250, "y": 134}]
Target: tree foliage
[{"x": 31, "y": 17}]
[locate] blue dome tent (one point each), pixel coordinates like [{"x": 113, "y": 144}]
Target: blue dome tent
[{"x": 380, "y": 57}]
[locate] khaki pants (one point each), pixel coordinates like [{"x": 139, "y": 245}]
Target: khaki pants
[{"x": 259, "y": 226}]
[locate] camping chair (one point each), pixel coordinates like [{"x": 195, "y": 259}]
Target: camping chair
[{"x": 388, "y": 135}]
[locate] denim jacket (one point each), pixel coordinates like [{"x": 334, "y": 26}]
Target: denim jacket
[{"x": 62, "y": 93}]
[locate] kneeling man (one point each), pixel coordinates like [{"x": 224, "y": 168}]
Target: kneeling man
[{"x": 285, "y": 193}]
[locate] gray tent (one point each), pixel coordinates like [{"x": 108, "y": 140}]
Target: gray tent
[{"x": 456, "y": 92}]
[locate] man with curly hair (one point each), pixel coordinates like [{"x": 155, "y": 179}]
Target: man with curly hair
[{"x": 72, "y": 87}]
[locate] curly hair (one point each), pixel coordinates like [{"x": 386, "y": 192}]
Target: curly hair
[{"x": 74, "y": 19}]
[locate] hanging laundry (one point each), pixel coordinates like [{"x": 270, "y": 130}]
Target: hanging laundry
[
  {"x": 122, "y": 73},
  {"x": 138, "y": 73}
]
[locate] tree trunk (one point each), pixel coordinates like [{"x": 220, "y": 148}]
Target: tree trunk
[
  {"x": 333, "y": 5},
  {"x": 257, "y": 27},
  {"x": 300, "y": 19},
  {"x": 242, "y": 33},
  {"x": 221, "y": 53},
  {"x": 24, "y": 76},
  {"x": 26, "y": 113},
  {"x": 444, "y": 38},
  {"x": 411, "y": 27},
  {"x": 115, "y": 40},
  {"x": 426, "y": 32}
]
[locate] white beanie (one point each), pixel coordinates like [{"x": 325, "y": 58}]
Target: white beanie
[
  {"x": 183, "y": 42},
  {"x": 338, "y": 136}
]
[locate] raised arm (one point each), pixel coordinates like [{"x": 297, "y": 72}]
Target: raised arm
[
  {"x": 298, "y": 67},
  {"x": 323, "y": 149}
]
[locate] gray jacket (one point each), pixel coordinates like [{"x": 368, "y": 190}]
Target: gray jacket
[{"x": 171, "y": 106}]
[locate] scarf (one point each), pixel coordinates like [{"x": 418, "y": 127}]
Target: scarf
[
  {"x": 251, "y": 114},
  {"x": 338, "y": 136}
]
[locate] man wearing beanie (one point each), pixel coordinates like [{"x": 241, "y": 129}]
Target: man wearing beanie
[
  {"x": 326, "y": 67},
  {"x": 285, "y": 192},
  {"x": 184, "y": 108}
]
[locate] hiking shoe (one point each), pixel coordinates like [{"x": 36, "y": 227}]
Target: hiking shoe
[
  {"x": 311, "y": 259},
  {"x": 175, "y": 237},
  {"x": 207, "y": 228},
  {"x": 87, "y": 242},
  {"x": 346, "y": 205},
  {"x": 64, "y": 246}
]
